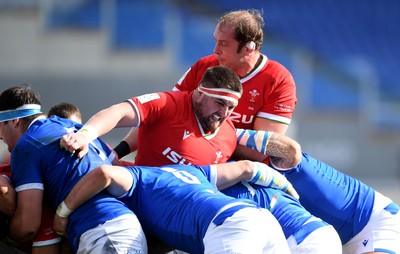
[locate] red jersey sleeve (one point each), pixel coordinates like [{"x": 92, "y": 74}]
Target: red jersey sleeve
[
  {"x": 153, "y": 107},
  {"x": 280, "y": 104}
]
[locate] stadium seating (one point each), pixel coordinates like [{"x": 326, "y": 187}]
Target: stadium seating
[
  {"x": 73, "y": 14},
  {"x": 355, "y": 38}
]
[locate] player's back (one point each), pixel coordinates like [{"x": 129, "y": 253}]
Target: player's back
[
  {"x": 340, "y": 200},
  {"x": 177, "y": 203},
  {"x": 56, "y": 171},
  {"x": 286, "y": 209}
]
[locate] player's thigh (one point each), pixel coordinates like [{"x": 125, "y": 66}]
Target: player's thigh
[
  {"x": 248, "y": 230},
  {"x": 381, "y": 234},
  {"x": 321, "y": 239},
  {"x": 120, "y": 235}
]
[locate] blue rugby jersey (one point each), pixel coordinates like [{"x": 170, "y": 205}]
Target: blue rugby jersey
[
  {"x": 342, "y": 201},
  {"x": 38, "y": 162},
  {"x": 177, "y": 203},
  {"x": 290, "y": 214}
]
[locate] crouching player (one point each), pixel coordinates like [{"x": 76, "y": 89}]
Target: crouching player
[{"x": 366, "y": 220}]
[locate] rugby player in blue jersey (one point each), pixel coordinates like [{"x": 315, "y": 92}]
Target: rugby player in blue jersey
[
  {"x": 43, "y": 171},
  {"x": 366, "y": 220},
  {"x": 180, "y": 205}
]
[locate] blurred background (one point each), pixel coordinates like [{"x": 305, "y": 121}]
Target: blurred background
[{"x": 343, "y": 54}]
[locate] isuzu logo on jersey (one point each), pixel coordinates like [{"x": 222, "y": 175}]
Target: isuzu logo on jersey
[
  {"x": 175, "y": 157},
  {"x": 239, "y": 118}
]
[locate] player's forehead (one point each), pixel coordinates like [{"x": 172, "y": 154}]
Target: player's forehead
[
  {"x": 225, "y": 103},
  {"x": 76, "y": 118},
  {"x": 224, "y": 32}
]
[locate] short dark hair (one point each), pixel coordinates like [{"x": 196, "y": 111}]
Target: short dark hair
[
  {"x": 18, "y": 96},
  {"x": 221, "y": 77},
  {"x": 64, "y": 110}
]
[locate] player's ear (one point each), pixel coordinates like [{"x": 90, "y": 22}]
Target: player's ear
[
  {"x": 16, "y": 122},
  {"x": 251, "y": 45}
]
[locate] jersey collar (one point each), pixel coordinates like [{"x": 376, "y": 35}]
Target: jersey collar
[{"x": 255, "y": 71}]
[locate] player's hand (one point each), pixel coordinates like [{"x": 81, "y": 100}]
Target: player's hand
[
  {"x": 281, "y": 182},
  {"x": 292, "y": 192},
  {"x": 75, "y": 143},
  {"x": 60, "y": 225},
  {"x": 7, "y": 197}
]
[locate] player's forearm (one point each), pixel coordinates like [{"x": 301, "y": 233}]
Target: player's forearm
[
  {"x": 117, "y": 180},
  {"x": 280, "y": 148},
  {"x": 229, "y": 174},
  {"x": 266, "y": 176},
  {"x": 128, "y": 144},
  {"x": 111, "y": 117},
  {"x": 26, "y": 219},
  {"x": 87, "y": 187},
  {"x": 21, "y": 229},
  {"x": 284, "y": 151},
  {"x": 104, "y": 121}
]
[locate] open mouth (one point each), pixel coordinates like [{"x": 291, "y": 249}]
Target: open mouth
[{"x": 215, "y": 117}]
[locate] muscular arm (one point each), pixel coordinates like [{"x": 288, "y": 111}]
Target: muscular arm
[
  {"x": 269, "y": 125},
  {"x": 231, "y": 173},
  {"x": 118, "y": 115},
  {"x": 27, "y": 217},
  {"x": 282, "y": 150},
  {"x": 116, "y": 179},
  {"x": 131, "y": 139}
]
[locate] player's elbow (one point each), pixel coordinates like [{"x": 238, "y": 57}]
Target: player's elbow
[
  {"x": 246, "y": 170},
  {"x": 23, "y": 233},
  {"x": 295, "y": 150},
  {"x": 27, "y": 235},
  {"x": 102, "y": 175}
]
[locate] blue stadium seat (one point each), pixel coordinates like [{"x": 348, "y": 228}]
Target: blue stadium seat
[
  {"x": 137, "y": 24},
  {"x": 78, "y": 15}
]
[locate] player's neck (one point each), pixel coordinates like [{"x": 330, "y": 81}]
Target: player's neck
[{"x": 249, "y": 66}]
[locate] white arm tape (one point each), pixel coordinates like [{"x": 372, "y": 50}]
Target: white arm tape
[
  {"x": 89, "y": 132},
  {"x": 63, "y": 210},
  {"x": 266, "y": 176}
]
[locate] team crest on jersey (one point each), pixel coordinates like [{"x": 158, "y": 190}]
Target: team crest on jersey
[
  {"x": 219, "y": 156},
  {"x": 148, "y": 97},
  {"x": 253, "y": 93}
]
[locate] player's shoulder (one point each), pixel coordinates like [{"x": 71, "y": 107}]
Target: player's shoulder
[
  {"x": 207, "y": 61},
  {"x": 176, "y": 99},
  {"x": 274, "y": 67}
]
